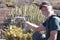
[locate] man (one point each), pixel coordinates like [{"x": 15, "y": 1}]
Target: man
[{"x": 51, "y": 25}]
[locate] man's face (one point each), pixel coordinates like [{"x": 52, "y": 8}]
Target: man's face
[{"x": 45, "y": 11}]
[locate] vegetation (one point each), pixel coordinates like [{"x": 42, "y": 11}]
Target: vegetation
[
  {"x": 15, "y": 33},
  {"x": 30, "y": 11}
]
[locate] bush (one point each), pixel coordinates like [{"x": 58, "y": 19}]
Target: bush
[{"x": 15, "y": 33}]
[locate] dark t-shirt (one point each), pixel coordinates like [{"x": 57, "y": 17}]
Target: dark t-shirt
[{"x": 52, "y": 24}]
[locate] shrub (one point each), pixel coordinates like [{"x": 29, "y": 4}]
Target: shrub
[
  {"x": 15, "y": 33},
  {"x": 32, "y": 12}
]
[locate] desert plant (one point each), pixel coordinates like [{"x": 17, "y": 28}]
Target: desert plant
[
  {"x": 15, "y": 33},
  {"x": 32, "y": 12}
]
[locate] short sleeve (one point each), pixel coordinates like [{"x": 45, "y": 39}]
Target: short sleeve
[{"x": 54, "y": 24}]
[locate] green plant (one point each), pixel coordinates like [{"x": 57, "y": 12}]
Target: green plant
[{"x": 32, "y": 12}]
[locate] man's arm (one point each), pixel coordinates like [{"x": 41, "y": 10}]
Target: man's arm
[
  {"x": 53, "y": 35},
  {"x": 34, "y": 26}
]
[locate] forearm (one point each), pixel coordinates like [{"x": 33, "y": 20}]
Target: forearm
[
  {"x": 36, "y": 27},
  {"x": 51, "y": 38},
  {"x": 31, "y": 25},
  {"x": 53, "y": 35}
]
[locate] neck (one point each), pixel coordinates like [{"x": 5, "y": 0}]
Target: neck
[{"x": 51, "y": 13}]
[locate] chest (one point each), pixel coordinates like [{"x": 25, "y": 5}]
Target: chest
[{"x": 52, "y": 24}]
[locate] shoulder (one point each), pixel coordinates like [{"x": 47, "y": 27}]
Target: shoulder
[{"x": 55, "y": 18}]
